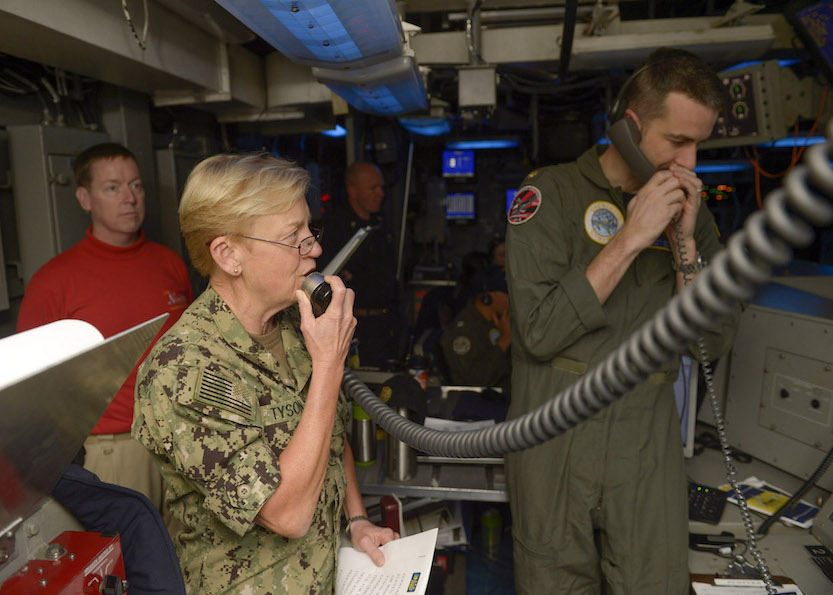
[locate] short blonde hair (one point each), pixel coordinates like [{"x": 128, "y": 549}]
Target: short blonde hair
[{"x": 224, "y": 193}]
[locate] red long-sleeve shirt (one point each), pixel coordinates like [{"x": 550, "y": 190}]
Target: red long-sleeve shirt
[{"x": 113, "y": 288}]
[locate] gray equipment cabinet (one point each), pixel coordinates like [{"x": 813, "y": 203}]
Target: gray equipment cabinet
[{"x": 49, "y": 218}]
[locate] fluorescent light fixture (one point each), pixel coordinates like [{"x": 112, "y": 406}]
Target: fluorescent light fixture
[
  {"x": 336, "y": 132},
  {"x": 719, "y": 168},
  {"x": 390, "y": 88},
  {"x": 794, "y": 142},
  {"x": 426, "y": 126},
  {"x": 496, "y": 143},
  {"x": 781, "y": 63},
  {"x": 746, "y": 64},
  {"x": 334, "y": 33}
]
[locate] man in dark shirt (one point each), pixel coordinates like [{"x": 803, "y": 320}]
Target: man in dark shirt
[
  {"x": 371, "y": 270},
  {"x": 476, "y": 349},
  {"x": 476, "y": 343}
]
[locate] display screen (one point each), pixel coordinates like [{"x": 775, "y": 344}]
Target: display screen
[
  {"x": 458, "y": 164},
  {"x": 510, "y": 196},
  {"x": 459, "y": 206},
  {"x": 811, "y": 21}
]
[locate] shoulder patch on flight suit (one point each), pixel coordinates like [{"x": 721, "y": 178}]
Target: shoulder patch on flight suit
[
  {"x": 461, "y": 345},
  {"x": 526, "y": 203},
  {"x": 602, "y": 220},
  {"x": 216, "y": 391}
]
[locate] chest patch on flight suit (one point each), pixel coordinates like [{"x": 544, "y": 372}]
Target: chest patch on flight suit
[
  {"x": 602, "y": 220},
  {"x": 526, "y": 203},
  {"x": 216, "y": 391},
  {"x": 461, "y": 345}
]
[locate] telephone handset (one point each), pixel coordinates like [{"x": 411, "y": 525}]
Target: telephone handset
[
  {"x": 318, "y": 291},
  {"x": 625, "y": 136}
]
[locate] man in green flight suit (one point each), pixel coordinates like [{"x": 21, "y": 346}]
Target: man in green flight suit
[{"x": 592, "y": 253}]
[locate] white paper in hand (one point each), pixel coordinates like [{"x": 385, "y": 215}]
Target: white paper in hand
[{"x": 407, "y": 566}]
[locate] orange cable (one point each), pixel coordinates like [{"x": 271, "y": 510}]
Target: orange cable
[{"x": 796, "y": 154}]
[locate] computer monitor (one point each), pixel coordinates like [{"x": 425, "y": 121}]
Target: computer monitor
[
  {"x": 685, "y": 394},
  {"x": 811, "y": 19},
  {"x": 779, "y": 392},
  {"x": 460, "y": 206},
  {"x": 510, "y": 196},
  {"x": 458, "y": 164}
]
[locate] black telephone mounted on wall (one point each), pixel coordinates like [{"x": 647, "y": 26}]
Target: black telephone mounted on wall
[{"x": 625, "y": 136}]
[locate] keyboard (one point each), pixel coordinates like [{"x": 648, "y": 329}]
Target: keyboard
[
  {"x": 705, "y": 503},
  {"x": 823, "y": 559}
]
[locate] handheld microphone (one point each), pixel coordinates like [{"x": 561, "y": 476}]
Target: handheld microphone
[{"x": 318, "y": 291}]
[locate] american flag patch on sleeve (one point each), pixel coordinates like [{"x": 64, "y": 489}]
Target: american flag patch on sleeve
[{"x": 220, "y": 392}]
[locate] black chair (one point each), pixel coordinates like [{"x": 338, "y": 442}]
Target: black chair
[{"x": 150, "y": 560}]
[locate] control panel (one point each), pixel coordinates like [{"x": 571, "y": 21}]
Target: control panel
[{"x": 752, "y": 111}]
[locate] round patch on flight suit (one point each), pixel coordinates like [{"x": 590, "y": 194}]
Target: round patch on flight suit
[
  {"x": 461, "y": 345},
  {"x": 526, "y": 203},
  {"x": 494, "y": 335},
  {"x": 602, "y": 220}
]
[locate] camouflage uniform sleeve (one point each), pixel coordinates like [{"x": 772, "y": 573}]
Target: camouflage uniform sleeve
[{"x": 205, "y": 424}]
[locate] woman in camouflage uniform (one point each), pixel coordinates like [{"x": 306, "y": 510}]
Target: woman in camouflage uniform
[{"x": 240, "y": 400}]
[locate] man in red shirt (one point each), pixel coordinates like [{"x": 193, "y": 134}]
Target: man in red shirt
[{"x": 114, "y": 279}]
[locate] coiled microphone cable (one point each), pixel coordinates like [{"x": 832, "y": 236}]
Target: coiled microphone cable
[{"x": 766, "y": 241}]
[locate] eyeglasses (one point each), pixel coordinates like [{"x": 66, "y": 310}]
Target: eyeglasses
[{"x": 303, "y": 247}]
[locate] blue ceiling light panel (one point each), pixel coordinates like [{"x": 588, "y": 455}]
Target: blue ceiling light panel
[
  {"x": 721, "y": 168},
  {"x": 782, "y": 63},
  {"x": 391, "y": 88},
  {"x": 337, "y": 132},
  {"x": 790, "y": 141},
  {"x": 342, "y": 33},
  {"x": 362, "y": 39},
  {"x": 319, "y": 29},
  {"x": 486, "y": 143},
  {"x": 426, "y": 126}
]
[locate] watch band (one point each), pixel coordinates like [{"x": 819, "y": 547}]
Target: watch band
[
  {"x": 690, "y": 268},
  {"x": 351, "y": 520}
]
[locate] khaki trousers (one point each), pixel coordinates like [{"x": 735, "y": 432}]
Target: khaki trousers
[{"x": 122, "y": 460}]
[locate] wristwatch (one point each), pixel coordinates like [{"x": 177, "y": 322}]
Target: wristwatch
[
  {"x": 359, "y": 517},
  {"x": 690, "y": 267}
]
